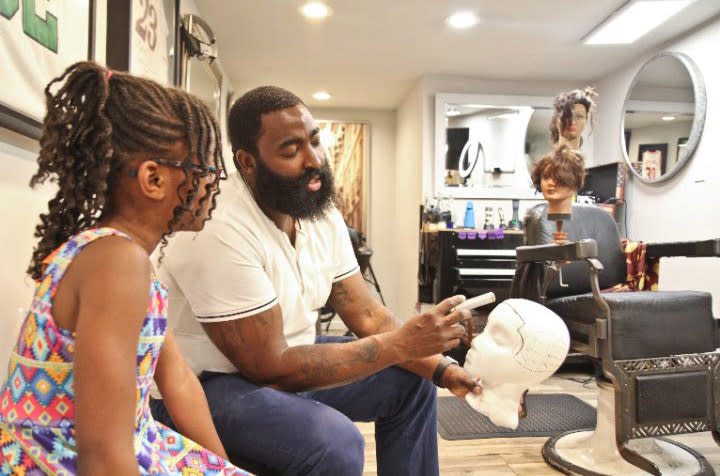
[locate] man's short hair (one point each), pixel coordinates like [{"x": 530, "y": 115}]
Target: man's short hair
[{"x": 244, "y": 119}]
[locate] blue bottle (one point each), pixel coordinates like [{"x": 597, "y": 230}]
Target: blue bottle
[{"x": 469, "y": 215}]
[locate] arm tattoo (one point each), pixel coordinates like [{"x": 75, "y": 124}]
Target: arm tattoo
[
  {"x": 340, "y": 295},
  {"x": 316, "y": 365},
  {"x": 262, "y": 320},
  {"x": 369, "y": 351}
]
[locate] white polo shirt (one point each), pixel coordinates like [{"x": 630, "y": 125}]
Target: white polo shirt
[{"x": 242, "y": 264}]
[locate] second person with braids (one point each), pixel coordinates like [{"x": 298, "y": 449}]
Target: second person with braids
[{"x": 134, "y": 163}]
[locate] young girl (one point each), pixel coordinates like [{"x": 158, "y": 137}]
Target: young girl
[{"x": 134, "y": 162}]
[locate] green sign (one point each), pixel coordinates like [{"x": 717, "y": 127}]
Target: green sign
[{"x": 44, "y": 31}]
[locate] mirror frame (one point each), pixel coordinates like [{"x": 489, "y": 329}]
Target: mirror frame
[
  {"x": 698, "y": 124},
  {"x": 441, "y": 101},
  {"x": 207, "y": 60}
]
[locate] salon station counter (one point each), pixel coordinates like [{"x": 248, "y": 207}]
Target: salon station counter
[{"x": 467, "y": 261}]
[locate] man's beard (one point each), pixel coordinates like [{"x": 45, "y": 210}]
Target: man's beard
[{"x": 291, "y": 195}]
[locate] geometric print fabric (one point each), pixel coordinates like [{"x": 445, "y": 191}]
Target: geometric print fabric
[{"x": 37, "y": 434}]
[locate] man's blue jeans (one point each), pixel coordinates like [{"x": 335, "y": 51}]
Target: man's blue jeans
[{"x": 271, "y": 432}]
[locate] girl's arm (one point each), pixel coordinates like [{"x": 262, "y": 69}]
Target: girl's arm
[
  {"x": 110, "y": 280},
  {"x": 184, "y": 398}
]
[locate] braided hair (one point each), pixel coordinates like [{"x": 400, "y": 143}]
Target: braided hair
[
  {"x": 564, "y": 164},
  {"x": 563, "y": 105},
  {"x": 95, "y": 121}
]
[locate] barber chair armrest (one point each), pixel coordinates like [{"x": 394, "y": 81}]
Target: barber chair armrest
[
  {"x": 572, "y": 251},
  {"x": 703, "y": 248}
]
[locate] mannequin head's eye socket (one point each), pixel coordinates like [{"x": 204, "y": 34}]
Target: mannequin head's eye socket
[{"x": 501, "y": 336}]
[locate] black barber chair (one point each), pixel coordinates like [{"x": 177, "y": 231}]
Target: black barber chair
[{"x": 657, "y": 350}]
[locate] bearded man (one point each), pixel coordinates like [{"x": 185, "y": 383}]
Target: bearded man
[{"x": 244, "y": 299}]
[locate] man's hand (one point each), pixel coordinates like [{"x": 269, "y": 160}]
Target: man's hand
[
  {"x": 431, "y": 332},
  {"x": 460, "y": 382}
]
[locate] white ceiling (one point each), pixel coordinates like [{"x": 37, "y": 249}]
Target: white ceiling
[{"x": 368, "y": 53}]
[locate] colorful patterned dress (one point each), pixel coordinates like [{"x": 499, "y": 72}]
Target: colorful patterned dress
[{"x": 37, "y": 428}]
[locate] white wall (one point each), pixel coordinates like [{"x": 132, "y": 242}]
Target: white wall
[
  {"x": 408, "y": 186},
  {"x": 381, "y": 189},
  {"x": 684, "y": 208},
  {"x": 19, "y": 209}
]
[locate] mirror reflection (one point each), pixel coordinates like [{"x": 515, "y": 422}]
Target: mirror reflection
[
  {"x": 201, "y": 75},
  {"x": 537, "y": 140},
  {"x": 659, "y": 115},
  {"x": 204, "y": 81},
  {"x": 485, "y": 145}
]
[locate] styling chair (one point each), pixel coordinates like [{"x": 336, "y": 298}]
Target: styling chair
[{"x": 656, "y": 351}]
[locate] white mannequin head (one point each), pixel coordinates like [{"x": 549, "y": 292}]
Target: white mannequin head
[{"x": 523, "y": 344}]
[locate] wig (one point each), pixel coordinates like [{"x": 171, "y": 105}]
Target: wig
[
  {"x": 564, "y": 165},
  {"x": 96, "y": 119},
  {"x": 564, "y": 103}
]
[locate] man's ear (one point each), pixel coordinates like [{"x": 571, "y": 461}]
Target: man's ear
[
  {"x": 245, "y": 162},
  {"x": 152, "y": 180}
]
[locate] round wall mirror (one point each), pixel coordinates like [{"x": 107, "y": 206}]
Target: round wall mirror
[{"x": 663, "y": 117}]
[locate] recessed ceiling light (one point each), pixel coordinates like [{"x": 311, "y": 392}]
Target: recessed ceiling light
[
  {"x": 668, "y": 118},
  {"x": 633, "y": 20},
  {"x": 315, "y": 10},
  {"x": 322, "y": 96},
  {"x": 462, "y": 20}
]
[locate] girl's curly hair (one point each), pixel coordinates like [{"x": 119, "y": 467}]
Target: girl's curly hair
[{"x": 95, "y": 120}]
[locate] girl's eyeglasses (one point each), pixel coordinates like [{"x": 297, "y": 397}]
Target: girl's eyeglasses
[{"x": 187, "y": 164}]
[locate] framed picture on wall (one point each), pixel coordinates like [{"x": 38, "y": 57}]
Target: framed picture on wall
[
  {"x": 152, "y": 46},
  {"x": 347, "y": 149},
  {"x": 34, "y": 52},
  {"x": 142, "y": 38},
  {"x": 653, "y": 160}
]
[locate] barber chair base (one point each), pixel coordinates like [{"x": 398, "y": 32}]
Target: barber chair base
[
  {"x": 572, "y": 453},
  {"x": 595, "y": 453}
]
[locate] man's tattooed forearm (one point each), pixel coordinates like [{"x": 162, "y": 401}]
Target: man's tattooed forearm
[
  {"x": 369, "y": 351},
  {"x": 318, "y": 366}
]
